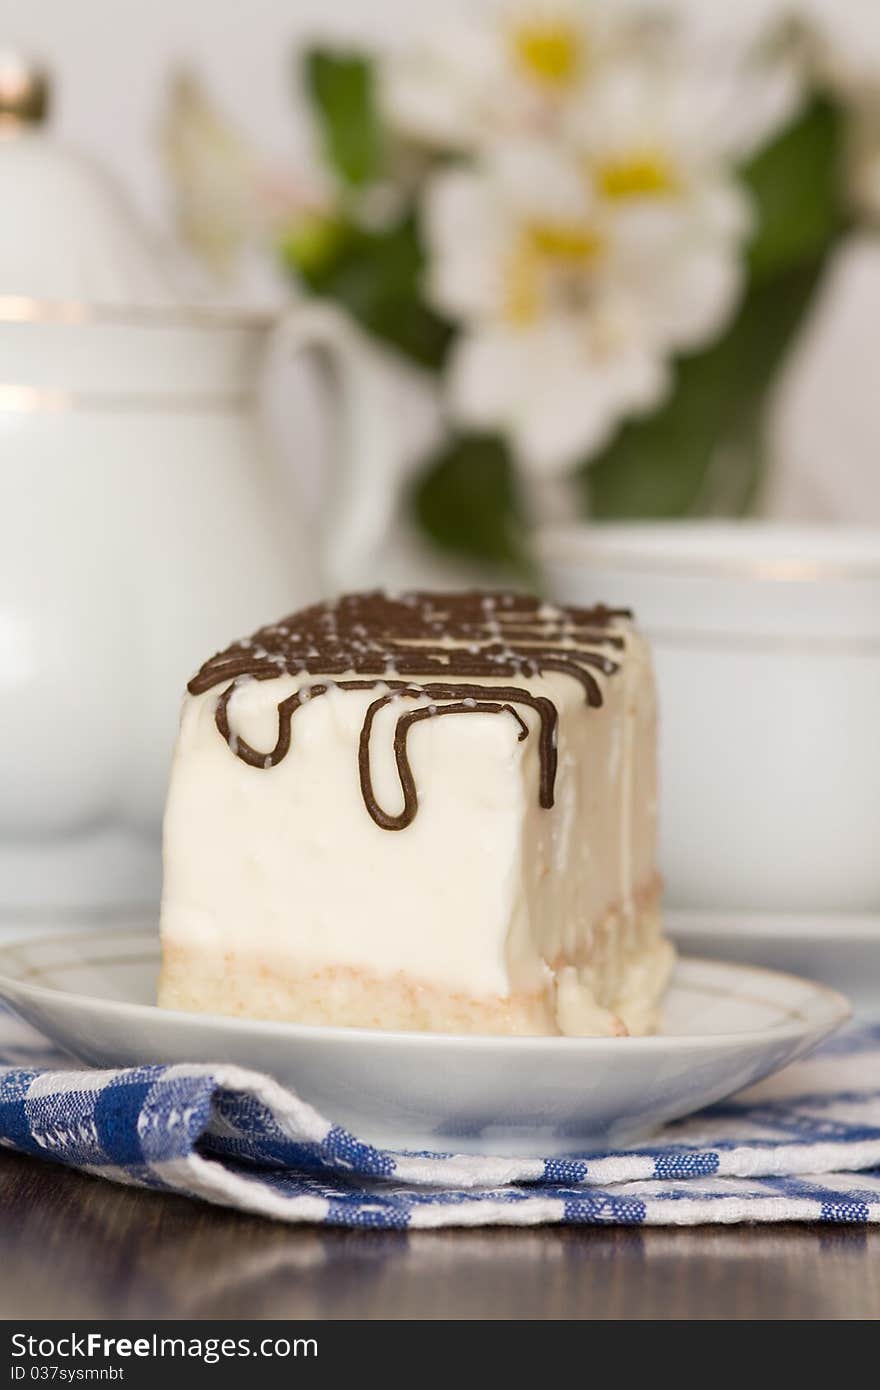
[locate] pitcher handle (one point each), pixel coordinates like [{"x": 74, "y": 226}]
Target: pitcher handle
[{"x": 360, "y": 509}]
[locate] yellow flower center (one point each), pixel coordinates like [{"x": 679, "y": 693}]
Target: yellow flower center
[
  {"x": 550, "y": 51},
  {"x": 564, "y": 241},
  {"x": 642, "y": 174},
  {"x": 552, "y": 261},
  {"x": 522, "y": 290}
]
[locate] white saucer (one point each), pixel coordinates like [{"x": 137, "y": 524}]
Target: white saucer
[
  {"x": 725, "y": 1027},
  {"x": 843, "y": 951}
]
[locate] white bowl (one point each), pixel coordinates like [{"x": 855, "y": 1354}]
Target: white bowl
[{"x": 767, "y": 648}]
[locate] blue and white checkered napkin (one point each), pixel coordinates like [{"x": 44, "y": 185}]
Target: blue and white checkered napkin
[{"x": 802, "y": 1147}]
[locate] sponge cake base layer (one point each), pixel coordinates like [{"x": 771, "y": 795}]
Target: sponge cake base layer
[{"x": 616, "y": 992}]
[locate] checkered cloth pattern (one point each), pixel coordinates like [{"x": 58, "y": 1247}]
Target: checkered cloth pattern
[{"x": 804, "y": 1146}]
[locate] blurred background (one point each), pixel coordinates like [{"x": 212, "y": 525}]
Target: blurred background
[
  {"x": 481, "y": 269},
  {"x": 114, "y": 69}
]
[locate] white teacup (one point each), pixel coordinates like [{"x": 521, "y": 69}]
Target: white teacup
[{"x": 767, "y": 648}]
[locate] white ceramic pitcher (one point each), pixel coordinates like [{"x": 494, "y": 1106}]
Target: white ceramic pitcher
[{"x": 143, "y": 523}]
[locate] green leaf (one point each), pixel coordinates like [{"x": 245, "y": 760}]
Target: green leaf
[
  {"x": 467, "y": 503},
  {"x": 699, "y": 453},
  {"x": 795, "y": 184},
  {"x": 377, "y": 277},
  {"x": 342, "y": 90}
]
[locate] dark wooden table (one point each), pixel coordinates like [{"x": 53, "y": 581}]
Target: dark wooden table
[{"x": 78, "y": 1247}]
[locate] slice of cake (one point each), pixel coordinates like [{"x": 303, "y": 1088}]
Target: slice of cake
[{"x": 423, "y": 811}]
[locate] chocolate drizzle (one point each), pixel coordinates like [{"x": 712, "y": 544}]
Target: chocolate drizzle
[{"x": 380, "y": 640}]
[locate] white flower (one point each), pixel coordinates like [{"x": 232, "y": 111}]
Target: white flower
[
  {"x": 744, "y": 66},
  {"x": 556, "y": 390},
  {"x": 846, "y": 35},
  {"x": 506, "y": 70},
  {"x": 654, "y": 147},
  {"x": 575, "y": 270},
  {"x": 597, "y": 229},
  {"x": 212, "y": 174},
  {"x": 517, "y": 66},
  {"x": 225, "y": 197}
]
